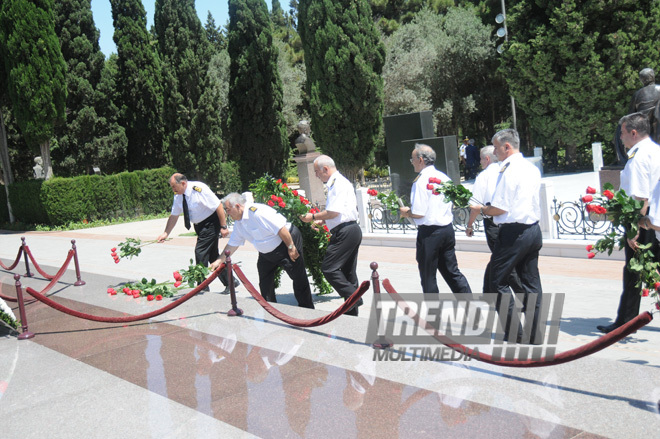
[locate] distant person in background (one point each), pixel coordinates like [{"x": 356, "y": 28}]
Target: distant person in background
[
  {"x": 462, "y": 152},
  {"x": 471, "y": 160}
]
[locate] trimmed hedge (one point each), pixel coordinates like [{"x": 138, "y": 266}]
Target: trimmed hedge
[{"x": 63, "y": 200}]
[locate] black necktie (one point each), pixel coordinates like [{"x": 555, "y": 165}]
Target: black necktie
[{"x": 186, "y": 215}]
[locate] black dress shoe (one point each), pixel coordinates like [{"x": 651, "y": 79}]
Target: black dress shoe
[{"x": 607, "y": 328}]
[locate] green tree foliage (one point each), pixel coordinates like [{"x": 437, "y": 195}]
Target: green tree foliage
[
  {"x": 391, "y": 14},
  {"x": 256, "y": 125},
  {"x": 35, "y": 71},
  {"x": 192, "y": 138},
  {"x": 293, "y": 83},
  {"x": 344, "y": 58},
  {"x": 215, "y": 34},
  {"x": 573, "y": 66},
  {"x": 141, "y": 101},
  {"x": 79, "y": 139},
  {"x": 446, "y": 63}
]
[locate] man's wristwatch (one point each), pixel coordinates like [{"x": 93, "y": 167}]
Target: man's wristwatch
[
  {"x": 223, "y": 227},
  {"x": 313, "y": 217},
  {"x": 290, "y": 246}
]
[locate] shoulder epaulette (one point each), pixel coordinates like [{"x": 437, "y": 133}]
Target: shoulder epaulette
[
  {"x": 253, "y": 209},
  {"x": 416, "y": 178},
  {"x": 504, "y": 167},
  {"x": 197, "y": 188}
]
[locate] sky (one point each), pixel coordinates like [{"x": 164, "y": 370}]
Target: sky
[{"x": 103, "y": 18}]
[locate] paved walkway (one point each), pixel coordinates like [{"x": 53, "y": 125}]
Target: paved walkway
[{"x": 195, "y": 372}]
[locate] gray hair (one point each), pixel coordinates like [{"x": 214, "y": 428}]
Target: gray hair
[
  {"x": 324, "y": 160},
  {"x": 178, "y": 178},
  {"x": 234, "y": 198},
  {"x": 488, "y": 151},
  {"x": 426, "y": 153},
  {"x": 509, "y": 136},
  {"x": 636, "y": 121}
]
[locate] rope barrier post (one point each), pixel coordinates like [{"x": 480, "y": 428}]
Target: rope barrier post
[
  {"x": 381, "y": 342},
  {"x": 27, "y": 266},
  {"x": 235, "y": 310},
  {"x": 79, "y": 282},
  {"x": 25, "y": 334}
]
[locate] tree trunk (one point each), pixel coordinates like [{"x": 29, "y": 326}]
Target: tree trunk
[
  {"x": 571, "y": 156},
  {"x": 6, "y": 164},
  {"x": 45, "y": 156}
]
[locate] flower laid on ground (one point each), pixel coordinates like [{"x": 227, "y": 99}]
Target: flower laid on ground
[
  {"x": 459, "y": 195},
  {"x": 7, "y": 315},
  {"x": 194, "y": 275},
  {"x": 624, "y": 211},
  {"x": 129, "y": 248},
  {"x": 292, "y": 205}
]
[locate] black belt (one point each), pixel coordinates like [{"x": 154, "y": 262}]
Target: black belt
[
  {"x": 426, "y": 226},
  {"x": 337, "y": 228},
  {"x": 521, "y": 225}
]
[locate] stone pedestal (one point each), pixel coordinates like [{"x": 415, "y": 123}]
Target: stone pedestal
[
  {"x": 610, "y": 174},
  {"x": 597, "y": 154},
  {"x": 311, "y": 184}
]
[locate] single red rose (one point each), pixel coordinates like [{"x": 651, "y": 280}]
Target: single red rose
[
  {"x": 136, "y": 295},
  {"x": 177, "y": 275},
  {"x": 116, "y": 261},
  {"x": 587, "y": 199},
  {"x": 304, "y": 200},
  {"x": 125, "y": 289},
  {"x": 110, "y": 290},
  {"x": 326, "y": 228},
  {"x": 270, "y": 203},
  {"x": 590, "y": 247},
  {"x": 113, "y": 249},
  {"x": 645, "y": 292},
  {"x": 273, "y": 197},
  {"x": 159, "y": 297},
  {"x": 591, "y": 255},
  {"x": 280, "y": 199},
  {"x": 135, "y": 291},
  {"x": 430, "y": 187},
  {"x": 609, "y": 194},
  {"x": 313, "y": 210},
  {"x": 279, "y": 181},
  {"x": 601, "y": 210},
  {"x": 591, "y": 190},
  {"x": 436, "y": 193},
  {"x": 281, "y": 204},
  {"x": 150, "y": 297},
  {"x": 657, "y": 305},
  {"x": 657, "y": 285},
  {"x": 114, "y": 293},
  {"x": 285, "y": 186},
  {"x": 177, "y": 284},
  {"x": 294, "y": 192},
  {"x": 113, "y": 254}
]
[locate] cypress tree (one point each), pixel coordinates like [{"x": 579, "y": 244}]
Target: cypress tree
[
  {"x": 76, "y": 149},
  {"x": 36, "y": 71},
  {"x": 141, "y": 90},
  {"x": 192, "y": 138},
  {"x": 256, "y": 125},
  {"x": 344, "y": 58}
]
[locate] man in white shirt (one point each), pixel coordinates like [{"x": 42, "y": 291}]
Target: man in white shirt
[
  {"x": 279, "y": 245},
  {"x": 482, "y": 194},
  {"x": 638, "y": 178},
  {"x": 340, "y": 215},
  {"x": 436, "y": 240},
  {"x": 516, "y": 209},
  {"x": 201, "y": 207}
]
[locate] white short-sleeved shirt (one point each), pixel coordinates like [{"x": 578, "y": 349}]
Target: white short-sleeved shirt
[
  {"x": 341, "y": 199},
  {"x": 435, "y": 210},
  {"x": 517, "y": 191},
  {"x": 642, "y": 169},
  {"x": 202, "y": 202},
  {"x": 484, "y": 184},
  {"x": 259, "y": 225},
  {"x": 654, "y": 208}
]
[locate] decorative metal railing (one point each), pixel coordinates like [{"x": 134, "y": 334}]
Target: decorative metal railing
[
  {"x": 384, "y": 220},
  {"x": 572, "y": 220}
]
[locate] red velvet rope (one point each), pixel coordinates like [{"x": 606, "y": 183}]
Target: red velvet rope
[
  {"x": 43, "y": 273},
  {"x": 304, "y": 323},
  {"x": 53, "y": 281},
  {"x": 126, "y": 319},
  {"x": 564, "y": 357},
  {"x": 12, "y": 266}
]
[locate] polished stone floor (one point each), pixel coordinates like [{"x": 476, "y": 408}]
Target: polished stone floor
[{"x": 195, "y": 372}]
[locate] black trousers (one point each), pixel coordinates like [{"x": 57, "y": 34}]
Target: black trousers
[
  {"x": 340, "y": 261},
  {"x": 435, "y": 251},
  {"x": 631, "y": 295},
  {"x": 267, "y": 265},
  {"x": 206, "y": 248},
  {"x": 492, "y": 232},
  {"x": 517, "y": 248}
]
